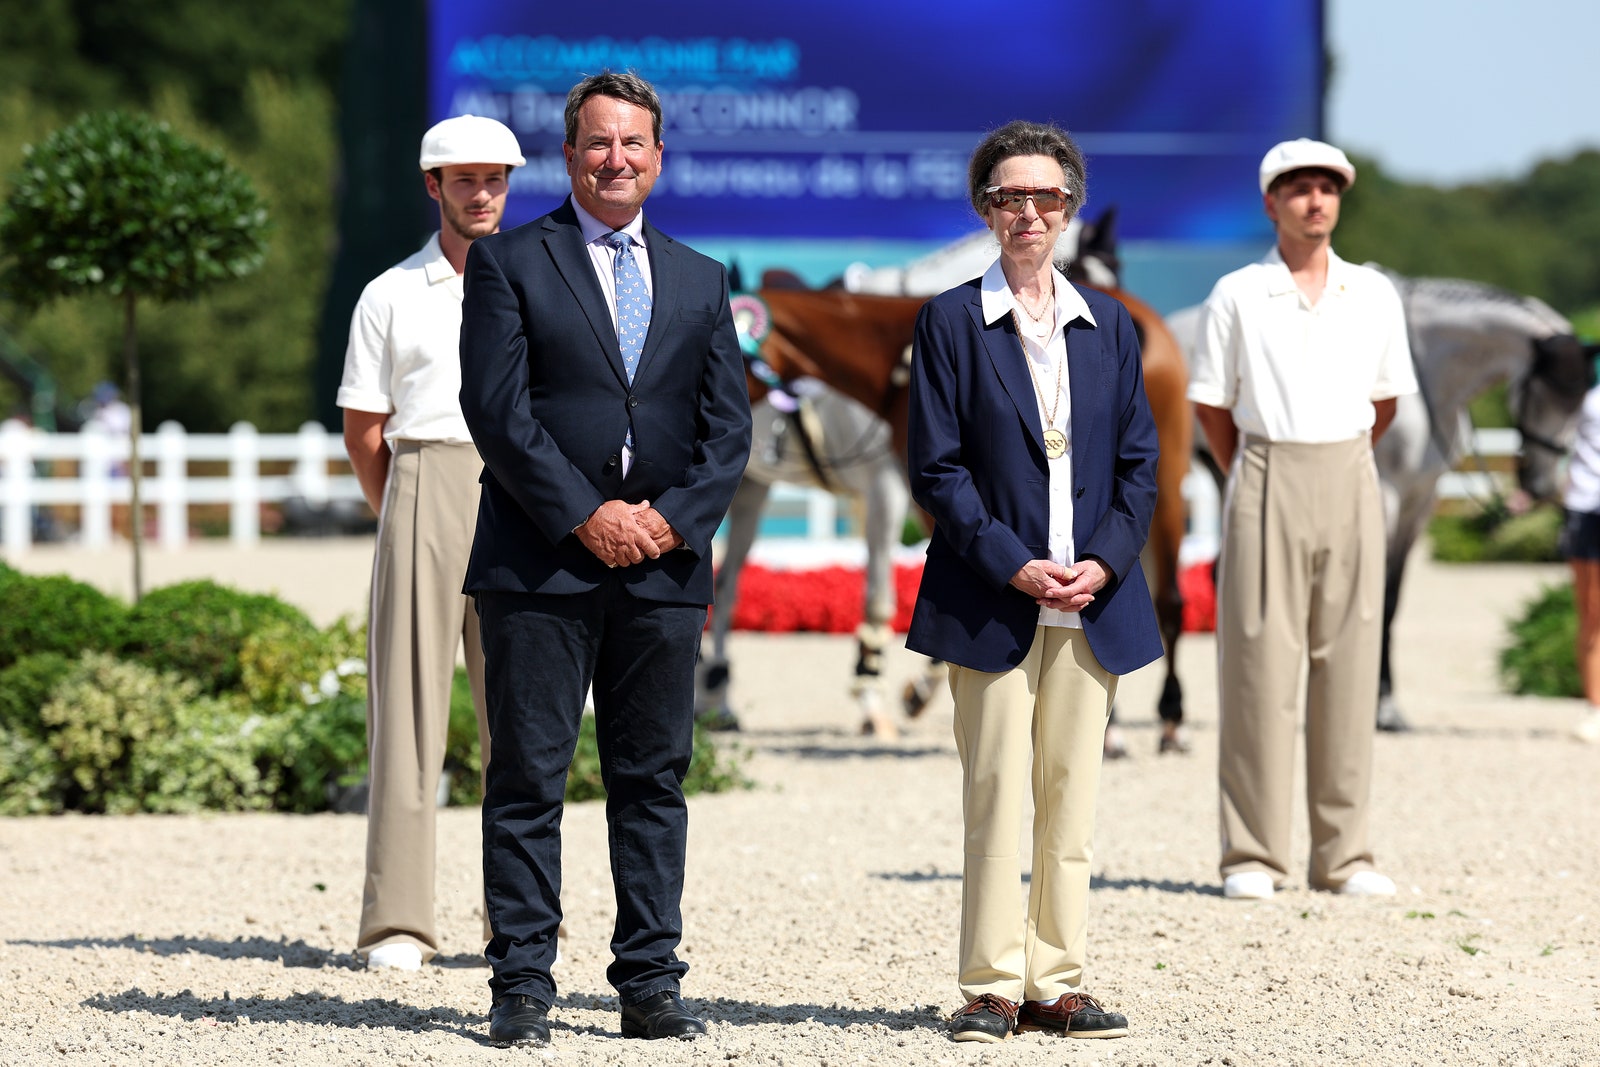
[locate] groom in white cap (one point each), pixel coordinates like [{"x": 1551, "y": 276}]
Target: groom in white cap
[
  {"x": 1299, "y": 361},
  {"x": 418, "y": 469}
]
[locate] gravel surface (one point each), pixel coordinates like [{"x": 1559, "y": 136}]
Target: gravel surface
[{"x": 821, "y": 905}]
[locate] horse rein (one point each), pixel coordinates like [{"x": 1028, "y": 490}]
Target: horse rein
[{"x": 1529, "y": 437}]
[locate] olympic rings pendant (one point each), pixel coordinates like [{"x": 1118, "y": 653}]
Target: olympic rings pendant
[{"x": 1055, "y": 443}]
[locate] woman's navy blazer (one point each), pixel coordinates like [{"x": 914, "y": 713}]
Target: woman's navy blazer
[{"x": 977, "y": 466}]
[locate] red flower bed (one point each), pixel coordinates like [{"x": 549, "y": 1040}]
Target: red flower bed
[
  {"x": 830, "y": 599},
  {"x": 819, "y": 600},
  {"x": 1199, "y": 598}
]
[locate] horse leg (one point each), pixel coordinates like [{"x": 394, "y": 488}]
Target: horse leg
[
  {"x": 1389, "y": 718},
  {"x": 712, "y": 708},
  {"x": 918, "y": 693},
  {"x": 886, "y": 499},
  {"x": 1160, "y": 562},
  {"x": 1169, "y": 614},
  {"x": 1407, "y": 510},
  {"x": 867, "y": 687},
  {"x": 1169, "y": 617}
]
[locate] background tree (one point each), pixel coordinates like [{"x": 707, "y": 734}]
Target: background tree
[
  {"x": 255, "y": 81},
  {"x": 86, "y": 55},
  {"x": 119, "y": 204},
  {"x": 1538, "y": 235}
]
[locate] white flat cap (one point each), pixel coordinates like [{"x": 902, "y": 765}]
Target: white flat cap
[
  {"x": 1303, "y": 152},
  {"x": 470, "y": 139}
]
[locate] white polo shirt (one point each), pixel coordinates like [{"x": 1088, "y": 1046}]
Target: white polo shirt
[
  {"x": 998, "y": 302},
  {"x": 404, "y": 356},
  {"x": 1290, "y": 370}
]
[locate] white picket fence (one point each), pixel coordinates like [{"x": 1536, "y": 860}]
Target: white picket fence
[
  {"x": 98, "y": 479},
  {"x": 318, "y": 473}
]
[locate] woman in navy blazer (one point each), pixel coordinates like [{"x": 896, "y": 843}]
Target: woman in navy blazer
[{"x": 1032, "y": 447}]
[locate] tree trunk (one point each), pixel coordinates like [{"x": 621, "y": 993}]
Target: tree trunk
[{"x": 130, "y": 363}]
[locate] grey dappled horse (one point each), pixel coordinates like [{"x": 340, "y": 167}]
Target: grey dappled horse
[
  {"x": 1465, "y": 337},
  {"x": 818, "y": 437}
]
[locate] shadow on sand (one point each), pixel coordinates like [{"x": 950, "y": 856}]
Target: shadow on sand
[
  {"x": 1096, "y": 882},
  {"x": 380, "y": 1012},
  {"x": 290, "y": 953},
  {"x": 833, "y": 744},
  {"x": 311, "y": 1008}
]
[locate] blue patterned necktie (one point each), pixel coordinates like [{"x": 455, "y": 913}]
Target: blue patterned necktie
[
  {"x": 633, "y": 302},
  {"x": 633, "y": 312}
]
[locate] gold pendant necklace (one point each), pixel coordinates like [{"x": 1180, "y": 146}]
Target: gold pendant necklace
[
  {"x": 1055, "y": 442},
  {"x": 1044, "y": 305}
]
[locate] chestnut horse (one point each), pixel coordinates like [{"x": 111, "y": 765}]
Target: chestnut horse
[{"x": 861, "y": 345}]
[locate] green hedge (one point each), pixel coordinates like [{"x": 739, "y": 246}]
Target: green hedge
[
  {"x": 1541, "y": 658},
  {"x": 462, "y": 761},
  {"x": 25, "y": 686},
  {"x": 54, "y": 613},
  {"x": 1493, "y": 535},
  {"x": 128, "y": 738},
  {"x": 207, "y": 698},
  {"x": 199, "y": 628}
]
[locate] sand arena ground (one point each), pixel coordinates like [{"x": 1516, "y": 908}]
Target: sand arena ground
[{"x": 821, "y": 905}]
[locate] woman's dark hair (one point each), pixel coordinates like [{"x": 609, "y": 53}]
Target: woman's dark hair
[{"x": 1021, "y": 138}]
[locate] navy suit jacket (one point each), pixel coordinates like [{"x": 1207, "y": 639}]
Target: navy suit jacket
[
  {"x": 978, "y": 467},
  {"x": 548, "y": 402}
]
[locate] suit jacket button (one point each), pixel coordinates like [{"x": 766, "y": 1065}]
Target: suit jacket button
[
  {"x": 633, "y": 401},
  {"x": 1079, "y": 493},
  {"x": 613, "y": 461}
]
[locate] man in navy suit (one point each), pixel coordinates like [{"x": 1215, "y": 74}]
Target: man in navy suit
[{"x": 602, "y": 381}]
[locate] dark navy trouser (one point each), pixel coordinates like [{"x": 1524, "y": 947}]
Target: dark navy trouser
[{"x": 541, "y": 653}]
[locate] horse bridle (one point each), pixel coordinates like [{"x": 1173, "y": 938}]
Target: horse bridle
[
  {"x": 1542, "y": 370},
  {"x": 1529, "y": 437}
]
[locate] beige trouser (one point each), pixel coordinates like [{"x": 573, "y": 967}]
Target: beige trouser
[
  {"x": 1042, "y": 722},
  {"x": 1302, "y": 580},
  {"x": 419, "y": 618}
]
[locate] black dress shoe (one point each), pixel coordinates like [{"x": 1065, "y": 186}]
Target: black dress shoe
[
  {"x": 519, "y": 1020},
  {"x": 662, "y": 1015}
]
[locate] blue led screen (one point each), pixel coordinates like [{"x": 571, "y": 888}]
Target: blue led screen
[{"x": 855, "y": 120}]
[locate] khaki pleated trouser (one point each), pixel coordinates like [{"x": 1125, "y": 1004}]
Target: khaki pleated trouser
[
  {"x": 419, "y": 620},
  {"x": 1301, "y": 574},
  {"x": 1042, "y": 724}
]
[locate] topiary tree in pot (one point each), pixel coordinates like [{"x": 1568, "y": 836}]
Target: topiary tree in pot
[{"x": 118, "y": 203}]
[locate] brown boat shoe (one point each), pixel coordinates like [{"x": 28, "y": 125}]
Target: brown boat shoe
[
  {"x": 1073, "y": 1015},
  {"x": 987, "y": 1017}
]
